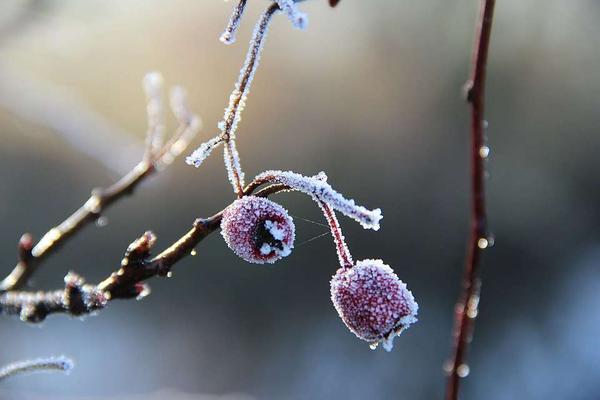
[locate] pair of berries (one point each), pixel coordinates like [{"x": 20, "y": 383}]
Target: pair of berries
[{"x": 373, "y": 303}]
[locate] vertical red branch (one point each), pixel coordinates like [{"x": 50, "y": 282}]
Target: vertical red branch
[{"x": 466, "y": 308}]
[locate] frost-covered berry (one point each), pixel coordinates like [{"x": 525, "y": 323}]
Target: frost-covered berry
[
  {"x": 258, "y": 230},
  {"x": 373, "y": 303}
]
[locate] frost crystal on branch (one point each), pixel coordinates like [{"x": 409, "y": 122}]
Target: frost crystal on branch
[
  {"x": 201, "y": 153},
  {"x": 234, "y": 167},
  {"x": 322, "y": 191},
  {"x": 228, "y": 37},
  {"x": 40, "y": 365},
  {"x": 237, "y": 100},
  {"x": 298, "y": 18}
]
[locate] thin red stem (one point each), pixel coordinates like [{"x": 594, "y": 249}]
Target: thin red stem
[
  {"x": 466, "y": 307},
  {"x": 338, "y": 237}
]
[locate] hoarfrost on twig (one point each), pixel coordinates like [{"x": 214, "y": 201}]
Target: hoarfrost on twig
[
  {"x": 201, "y": 153},
  {"x": 39, "y": 365},
  {"x": 299, "y": 19},
  {"x": 237, "y": 102},
  {"x": 237, "y": 99},
  {"x": 318, "y": 187},
  {"x": 228, "y": 36},
  {"x": 153, "y": 87}
]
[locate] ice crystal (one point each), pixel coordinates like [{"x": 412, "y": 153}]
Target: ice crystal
[
  {"x": 237, "y": 101},
  {"x": 299, "y": 19},
  {"x": 201, "y": 153},
  {"x": 228, "y": 37},
  {"x": 258, "y": 230},
  {"x": 373, "y": 303},
  {"x": 322, "y": 191}
]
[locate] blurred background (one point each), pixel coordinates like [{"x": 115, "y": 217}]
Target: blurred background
[{"x": 370, "y": 93}]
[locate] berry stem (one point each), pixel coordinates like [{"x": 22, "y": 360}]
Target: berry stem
[
  {"x": 338, "y": 237},
  {"x": 464, "y": 314}
]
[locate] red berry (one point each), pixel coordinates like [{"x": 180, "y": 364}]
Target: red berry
[
  {"x": 258, "y": 230},
  {"x": 373, "y": 303}
]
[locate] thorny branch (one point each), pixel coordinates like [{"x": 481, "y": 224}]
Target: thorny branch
[{"x": 466, "y": 308}]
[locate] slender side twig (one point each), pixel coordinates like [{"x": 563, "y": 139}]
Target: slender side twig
[
  {"x": 78, "y": 298},
  {"x": 237, "y": 102},
  {"x": 466, "y": 308},
  {"x": 31, "y": 257},
  {"x": 228, "y": 37},
  {"x": 40, "y": 365},
  {"x": 91, "y": 210}
]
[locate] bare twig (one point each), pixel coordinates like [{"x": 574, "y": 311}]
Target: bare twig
[
  {"x": 466, "y": 308},
  {"x": 30, "y": 258},
  {"x": 78, "y": 298},
  {"x": 228, "y": 37}
]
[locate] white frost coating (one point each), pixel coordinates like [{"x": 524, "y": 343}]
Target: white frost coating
[
  {"x": 321, "y": 190},
  {"x": 373, "y": 302},
  {"x": 234, "y": 167},
  {"x": 201, "y": 153},
  {"x": 153, "y": 87},
  {"x": 246, "y": 217},
  {"x": 237, "y": 99},
  {"x": 265, "y": 249},
  {"x": 388, "y": 343},
  {"x": 274, "y": 230},
  {"x": 228, "y": 36},
  {"x": 299, "y": 19}
]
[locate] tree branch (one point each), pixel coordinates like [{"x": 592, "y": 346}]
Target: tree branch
[
  {"x": 31, "y": 257},
  {"x": 90, "y": 211},
  {"x": 466, "y": 307},
  {"x": 78, "y": 298}
]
